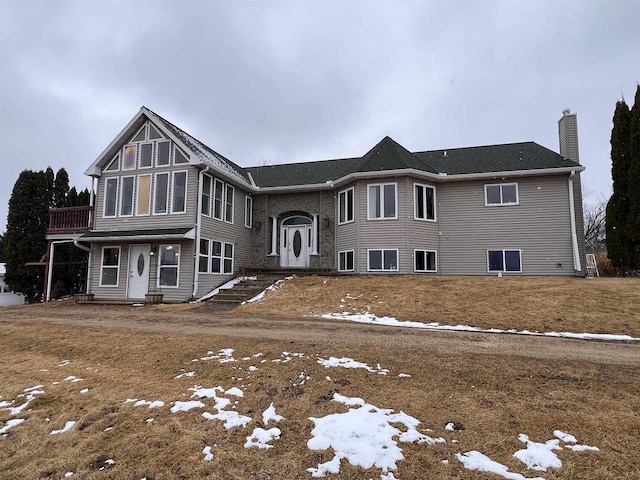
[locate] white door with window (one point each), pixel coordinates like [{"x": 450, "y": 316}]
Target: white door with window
[
  {"x": 295, "y": 242},
  {"x": 139, "y": 257}
]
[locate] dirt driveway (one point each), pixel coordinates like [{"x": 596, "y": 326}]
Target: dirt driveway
[{"x": 187, "y": 319}]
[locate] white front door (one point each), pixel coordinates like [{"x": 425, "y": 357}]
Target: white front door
[
  {"x": 295, "y": 246},
  {"x": 138, "y": 270}
]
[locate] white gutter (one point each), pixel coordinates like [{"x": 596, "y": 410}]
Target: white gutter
[
  {"x": 440, "y": 177},
  {"x": 577, "y": 265},
  {"x": 196, "y": 259}
]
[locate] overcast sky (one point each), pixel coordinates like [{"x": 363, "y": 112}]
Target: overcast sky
[{"x": 273, "y": 82}]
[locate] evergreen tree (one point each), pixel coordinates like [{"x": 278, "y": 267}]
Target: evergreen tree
[
  {"x": 25, "y": 240},
  {"x": 618, "y": 206},
  {"x": 60, "y": 189},
  {"x": 2, "y": 248},
  {"x": 633, "y": 221}
]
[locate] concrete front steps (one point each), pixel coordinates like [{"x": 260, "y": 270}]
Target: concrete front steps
[{"x": 247, "y": 289}]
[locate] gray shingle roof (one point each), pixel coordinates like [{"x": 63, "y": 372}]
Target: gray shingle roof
[
  {"x": 205, "y": 153},
  {"x": 389, "y": 155}
]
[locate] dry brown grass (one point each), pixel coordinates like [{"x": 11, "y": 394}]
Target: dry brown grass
[
  {"x": 495, "y": 395},
  {"x": 543, "y": 304}
]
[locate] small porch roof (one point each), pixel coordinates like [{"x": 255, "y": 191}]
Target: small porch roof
[{"x": 139, "y": 235}]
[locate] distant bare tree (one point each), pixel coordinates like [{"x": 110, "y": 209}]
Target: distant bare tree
[{"x": 595, "y": 219}]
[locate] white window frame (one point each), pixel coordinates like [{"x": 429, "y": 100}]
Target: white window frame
[
  {"x": 382, "y": 269},
  {"x": 138, "y": 194},
  {"x": 176, "y": 149},
  {"x": 353, "y": 260},
  {"x": 177, "y": 266},
  {"x": 216, "y": 182},
  {"x": 395, "y": 199},
  {"x": 224, "y": 257},
  {"x": 158, "y": 142},
  {"x": 206, "y": 256},
  {"x": 424, "y": 188},
  {"x": 106, "y": 189},
  {"x": 349, "y": 216},
  {"x": 504, "y": 260},
  {"x": 113, "y": 160},
  {"x": 133, "y": 195},
  {"x": 424, "y": 251},
  {"x": 206, "y": 195},
  {"x": 502, "y": 203},
  {"x": 102, "y": 266},
  {"x": 143, "y": 128},
  {"x": 124, "y": 156},
  {"x": 248, "y": 211},
  {"x": 140, "y": 145},
  {"x": 228, "y": 207},
  {"x": 173, "y": 191},
  {"x": 155, "y": 191}
]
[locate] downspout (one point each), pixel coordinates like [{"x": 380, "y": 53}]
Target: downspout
[
  {"x": 196, "y": 259},
  {"x": 577, "y": 266}
]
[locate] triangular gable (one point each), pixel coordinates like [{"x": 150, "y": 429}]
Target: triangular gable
[
  {"x": 390, "y": 155},
  {"x": 146, "y": 125}
]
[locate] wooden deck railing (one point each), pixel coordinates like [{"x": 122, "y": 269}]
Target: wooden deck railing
[{"x": 70, "y": 220}]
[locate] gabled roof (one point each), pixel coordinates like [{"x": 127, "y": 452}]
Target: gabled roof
[
  {"x": 390, "y": 155},
  {"x": 202, "y": 151}
]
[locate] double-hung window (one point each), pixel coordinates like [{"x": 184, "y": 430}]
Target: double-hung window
[
  {"x": 248, "y": 211},
  {"x": 501, "y": 194},
  {"x": 345, "y": 261},
  {"x": 126, "y": 197},
  {"x": 345, "y": 206},
  {"x": 169, "y": 266},
  {"x": 218, "y": 195},
  {"x": 146, "y": 155},
  {"x": 206, "y": 195},
  {"x": 221, "y": 257},
  {"x": 382, "y": 260},
  {"x": 161, "y": 202},
  {"x": 424, "y": 202},
  {"x": 163, "y": 153},
  {"x": 110, "y": 267},
  {"x": 227, "y": 263},
  {"x": 504, "y": 261},
  {"x": 425, "y": 261},
  {"x": 110, "y": 197},
  {"x": 179, "y": 192},
  {"x": 228, "y": 205},
  {"x": 382, "y": 201},
  {"x": 203, "y": 260}
]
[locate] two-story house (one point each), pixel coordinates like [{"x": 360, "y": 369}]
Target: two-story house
[{"x": 173, "y": 216}]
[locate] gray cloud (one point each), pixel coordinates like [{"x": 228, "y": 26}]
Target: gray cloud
[{"x": 296, "y": 81}]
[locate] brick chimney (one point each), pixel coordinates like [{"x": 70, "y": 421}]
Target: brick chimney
[{"x": 568, "y": 133}]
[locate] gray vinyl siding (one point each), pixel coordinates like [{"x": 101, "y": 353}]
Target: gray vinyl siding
[
  {"x": 347, "y": 233},
  {"x": 539, "y": 226},
  {"x": 383, "y": 233},
  {"x": 167, "y": 220},
  {"x": 119, "y": 292},
  {"x": 235, "y": 233},
  {"x": 423, "y": 234}
]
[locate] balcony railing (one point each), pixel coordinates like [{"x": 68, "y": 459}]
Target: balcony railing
[{"x": 70, "y": 220}]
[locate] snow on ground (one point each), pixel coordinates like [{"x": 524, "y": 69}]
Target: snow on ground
[
  {"x": 225, "y": 286},
  {"x": 270, "y": 288},
  {"x": 365, "y": 435},
  {"x": 366, "y": 317}
]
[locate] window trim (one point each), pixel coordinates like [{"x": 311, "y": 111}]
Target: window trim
[
  {"x": 369, "y": 269},
  {"x": 157, "y": 156},
  {"x": 217, "y": 181},
  {"x": 346, "y": 263},
  {"x": 504, "y": 260},
  {"x": 415, "y": 253},
  {"x": 138, "y": 214},
  {"x": 124, "y": 157},
  {"x": 155, "y": 191},
  {"x": 501, "y": 204},
  {"x": 248, "y": 211},
  {"x": 173, "y": 191},
  {"x": 102, "y": 266},
  {"x": 177, "y": 266},
  {"x": 224, "y": 257},
  {"x": 104, "y": 199},
  {"x": 206, "y": 256},
  {"x": 133, "y": 195},
  {"x": 226, "y": 204},
  {"x": 424, "y": 187},
  {"x": 115, "y": 159},
  {"x": 177, "y": 150},
  {"x": 207, "y": 195},
  {"x": 345, "y": 192},
  {"x": 140, "y": 145},
  {"x": 382, "y": 185}
]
